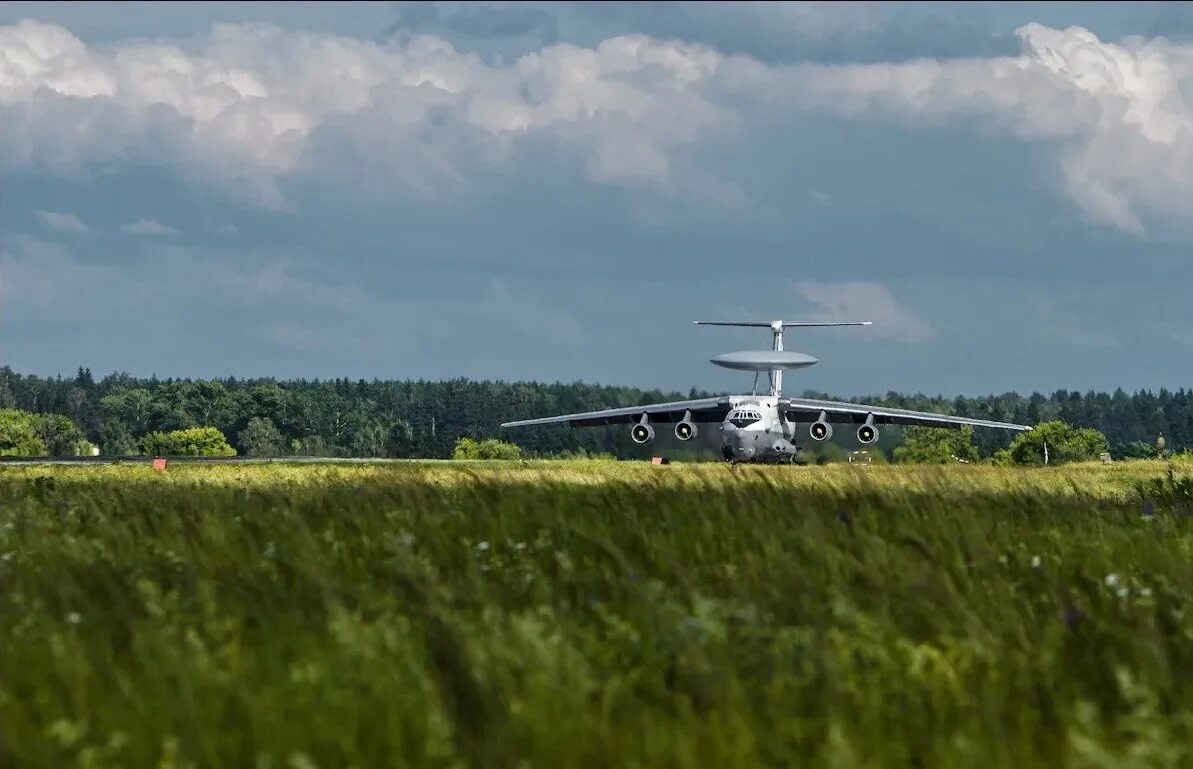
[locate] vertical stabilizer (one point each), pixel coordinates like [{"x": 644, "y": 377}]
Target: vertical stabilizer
[{"x": 776, "y": 327}]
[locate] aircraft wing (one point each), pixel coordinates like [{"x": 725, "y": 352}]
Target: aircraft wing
[
  {"x": 809, "y": 410},
  {"x": 703, "y": 410}
]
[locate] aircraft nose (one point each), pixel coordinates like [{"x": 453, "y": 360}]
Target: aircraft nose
[{"x": 739, "y": 445}]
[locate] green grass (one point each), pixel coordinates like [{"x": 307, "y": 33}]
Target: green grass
[{"x": 595, "y": 614}]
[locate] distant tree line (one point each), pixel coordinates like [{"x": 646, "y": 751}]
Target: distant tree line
[{"x": 124, "y": 414}]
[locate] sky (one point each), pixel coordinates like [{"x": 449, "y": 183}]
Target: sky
[{"x": 554, "y": 191}]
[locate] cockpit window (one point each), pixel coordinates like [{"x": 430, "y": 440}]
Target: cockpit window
[{"x": 744, "y": 417}]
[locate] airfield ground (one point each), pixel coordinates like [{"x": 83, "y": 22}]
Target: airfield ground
[{"x": 595, "y": 614}]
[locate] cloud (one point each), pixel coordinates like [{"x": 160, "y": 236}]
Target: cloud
[
  {"x": 865, "y": 301},
  {"x": 148, "y": 227},
  {"x": 250, "y": 105},
  {"x": 61, "y": 222},
  {"x": 246, "y": 104},
  {"x": 1117, "y": 114},
  {"x": 63, "y": 308}
]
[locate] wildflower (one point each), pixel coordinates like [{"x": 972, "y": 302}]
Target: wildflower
[
  {"x": 1071, "y": 616},
  {"x": 74, "y": 618},
  {"x": 1148, "y": 510},
  {"x": 1145, "y": 592},
  {"x": 1111, "y": 580},
  {"x": 1122, "y": 592},
  {"x": 483, "y": 546},
  {"x": 519, "y": 546},
  {"x": 1035, "y": 561},
  {"x": 843, "y": 517}
]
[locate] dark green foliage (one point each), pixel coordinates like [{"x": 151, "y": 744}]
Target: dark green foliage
[
  {"x": 260, "y": 438},
  {"x": 933, "y": 446},
  {"x": 651, "y": 617},
  {"x": 60, "y": 436},
  {"x": 1065, "y": 444},
  {"x": 191, "y": 442},
  {"x": 340, "y": 417}
]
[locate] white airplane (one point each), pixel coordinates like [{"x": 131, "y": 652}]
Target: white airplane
[{"x": 762, "y": 428}]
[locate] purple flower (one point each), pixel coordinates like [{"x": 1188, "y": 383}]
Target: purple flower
[
  {"x": 844, "y": 517},
  {"x": 1071, "y": 616},
  {"x": 1148, "y": 510}
]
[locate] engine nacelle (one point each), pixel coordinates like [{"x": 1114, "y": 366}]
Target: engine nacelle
[
  {"x": 642, "y": 433},
  {"x": 685, "y": 430},
  {"x": 820, "y": 431},
  {"x": 867, "y": 434}
]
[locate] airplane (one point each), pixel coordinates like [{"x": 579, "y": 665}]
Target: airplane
[{"x": 763, "y": 428}]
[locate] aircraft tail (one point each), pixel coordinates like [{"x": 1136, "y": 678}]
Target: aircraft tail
[
  {"x": 782, "y": 323},
  {"x": 776, "y": 328}
]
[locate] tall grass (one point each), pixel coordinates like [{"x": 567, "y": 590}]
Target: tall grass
[{"x": 595, "y": 614}]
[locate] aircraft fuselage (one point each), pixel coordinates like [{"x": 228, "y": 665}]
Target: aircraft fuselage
[{"x": 755, "y": 430}]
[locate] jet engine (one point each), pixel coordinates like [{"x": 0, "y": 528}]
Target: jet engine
[
  {"x": 685, "y": 430},
  {"x": 642, "y": 433},
  {"x": 821, "y": 430},
  {"x": 867, "y": 433}
]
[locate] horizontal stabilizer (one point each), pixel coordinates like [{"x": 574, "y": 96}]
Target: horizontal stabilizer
[{"x": 781, "y": 323}]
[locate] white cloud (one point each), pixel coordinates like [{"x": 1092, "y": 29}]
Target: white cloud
[
  {"x": 1117, "y": 113},
  {"x": 243, "y": 103},
  {"x": 249, "y": 104},
  {"x": 61, "y": 222},
  {"x": 865, "y": 301},
  {"x": 145, "y": 226}
]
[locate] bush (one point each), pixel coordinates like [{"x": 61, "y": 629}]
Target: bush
[
  {"x": 61, "y": 437},
  {"x": 937, "y": 446},
  {"x": 490, "y": 448},
  {"x": 26, "y": 434},
  {"x": 17, "y": 436},
  {"x": 191, "y": 442},
  {"x": 1065, "y": 444}
]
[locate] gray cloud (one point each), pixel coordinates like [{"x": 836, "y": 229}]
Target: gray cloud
[
  {"x": 61, "y": 222},
  {"x": 150, "y": 227},
  {"x": 249, "y": 105},
  {"x": 564, "y": 216},
  {"x": 858, "y": 301}
]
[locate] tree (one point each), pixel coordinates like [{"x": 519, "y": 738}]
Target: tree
[
  {"x": 490, "y": 448},
  {"x": 400, "y": 440},
  {"x": 1065, "y": 444},
  {"x": 1134, "y": 450},
  {"x": 60, "y": 436},
  {"x": 937, "y": 446},
  {"x": 115, "y": 440},
  {"x": 17, "y": 437},
  {"x": 191, "y": 442},
  {"x": 131, "y": 407},
  {"x": 261, "y": 438}
]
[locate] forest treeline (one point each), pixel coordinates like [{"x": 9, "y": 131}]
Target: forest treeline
[{"x": 424, "y": 418}]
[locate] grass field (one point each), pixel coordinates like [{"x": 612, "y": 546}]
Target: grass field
[{"x": 595, "y": 614}]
